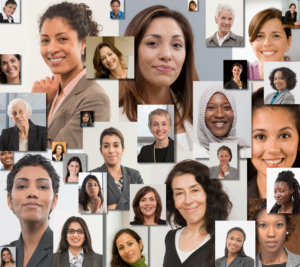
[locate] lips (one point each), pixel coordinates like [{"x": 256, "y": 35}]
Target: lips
[
  {"x": 129, "y": 256},
  {"x": 111, "y": 64},
  {"x": 54, "y": 61},
  {"x": 190, "y": 210},
  {"x": 148, "y": 209},
  {"x": 273, "y": 163},
  {"x": 219, "y": 124},
  {"x": 271, "y": 243},
  {"x": 164, "y": 68},
  {"x": 268, "y": 53},
  {"x": 32, "y": 205}
]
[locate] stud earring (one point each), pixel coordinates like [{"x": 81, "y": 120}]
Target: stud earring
[
  {"x": 287, "y": 233},
  {"x": 82, "y": 53}
]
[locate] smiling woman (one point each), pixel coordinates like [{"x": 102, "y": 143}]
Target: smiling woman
[
  {"x": 7, "y": 259},
  {"x": 10, "y": 69},
  {"x": 9, "y": 9},
  {"x": 6, "y": 158},
  {"x": 73, "y": 168}
]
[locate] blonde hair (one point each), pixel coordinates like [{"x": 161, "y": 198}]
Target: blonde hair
[{"x": 160, "y": 112}]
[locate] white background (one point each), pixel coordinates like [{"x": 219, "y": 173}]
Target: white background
[
  {"x": 270, "y": 66},
  {"x": 222, "y": 227},
  {"x": 272, "y": 174},
  {"x": 213, "y": 148},
  {"x": 16, "y": 16},
  {"x": 161, "y": 190},
  {"x": 237, "y": 26}
]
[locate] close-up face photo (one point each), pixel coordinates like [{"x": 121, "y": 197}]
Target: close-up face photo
[
  {"x": 73, "y": 168},
  {"x": 59, "y": 150},
  {"x": 282, "y": 192},
  {"x": 224, "y": 157},
  {"x": 92, "y": 188},
  {"x": 9, "y": 9},
  {"x": 236, "y": 71},
  {"x": 111, "y": 149},
  {"x": 10, "y": 66},
  {"x": 19, "y": 114},
  {"x": 234, "y": 241},
  {"x": 85, "y": 118},
  {"x": 115, "y": 7},
  {"x": 224, "y": 21},
  {"x": 6, "y": 158},
  {"x": 6, "y": 256},
  {"x": 292, "y": 9},
  {"x": 160, "y": 127},
  {"x": 108, "y": 58},
  {"x": 75, "y": 235},
  {"x": 148, "y": 204},
  {"x": 280, "y": 81}
]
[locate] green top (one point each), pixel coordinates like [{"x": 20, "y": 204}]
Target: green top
[{"x": 139, "y": 263}]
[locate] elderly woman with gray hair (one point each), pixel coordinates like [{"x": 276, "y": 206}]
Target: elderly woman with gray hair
[
  {"x": 162, "y": 150},
  {"x": 25, "y": 135},
  {"x": 224, "y": 36}
]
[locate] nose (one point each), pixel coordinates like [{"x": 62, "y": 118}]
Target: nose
[
  {"x": 268, "y": 41},
  {"x": 32, "y": 192},
  {"x": 127, "y": 249},
  {"x": 219, "y": 113},
  {"x": 165, "y": 53},
  {"x": 271, "y": 231},
  {"x": 273, "y": 146},
  {"x": 188, "y": 199},
  {"x": 111, "y": 149},
  {"x": 53, "y": 47}
]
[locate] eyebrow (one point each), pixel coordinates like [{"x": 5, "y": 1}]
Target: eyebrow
[
  {"x": 210, "y": 103},
  {"x": 60, "y": 33},
  {"x": 280, "y": 130},
  {"x": 38, "y": 179},
  {"x": 192, "y": 186},
  {"x": 113, "y": 143},
  {"x": 271, "y": 32},
  {"x": 159, "y": 36}
]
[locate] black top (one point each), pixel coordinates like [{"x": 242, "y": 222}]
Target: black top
[
  {"x": 147, "y": 155},
  {"x": 288, "y": 18},
  {"x": 5, "y": 20},
  {"x": 198, "y": 258},
  {"x": 275, "y": 265},
  {"x": 232, "y": 85},
  {"x": 160, "y": 154},
  {"x": 160, "y": 222},
  {"x": 54, "y": 157}
]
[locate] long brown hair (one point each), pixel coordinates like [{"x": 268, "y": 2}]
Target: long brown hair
[
  {"x": 131, "y": 92},
  {"x": 11, "y": 257},
  {"x": 87, "y": 244},
  {"x": 138, "y": 215}
]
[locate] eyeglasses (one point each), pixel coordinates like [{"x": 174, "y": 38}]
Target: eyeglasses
[{"x": 72, "y": 231}]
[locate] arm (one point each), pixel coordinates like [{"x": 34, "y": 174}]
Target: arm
[
  {"x": 141, "y": 157},
  {"x": 249, "y": 262},
  {"x": 287, "y": 18},
  {"x": 139, "y": 179},
  {"x": 44, "y": 139},
  {"x": 122, "y": 204},
  {"x": 2, "y": 142}
]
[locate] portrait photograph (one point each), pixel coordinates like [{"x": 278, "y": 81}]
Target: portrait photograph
[
  {"x": 10, "y": 11},
  {"x": 235, "y": 74},
  {"x": 73, "y": 164}
]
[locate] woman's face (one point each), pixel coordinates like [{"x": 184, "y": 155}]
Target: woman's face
[
  {"x": 189, "y": 198},
  {"x": 275, "y": 139},
  {"x": 73, "y": 168},
  {"x": 160, "y": 127},
  {"x": 10, "y": 66},
  {"x": 6, "y": 256},
  {"x": 6, "y": 158},
  {"x": 19, "y": 114},
  {"x": 280, "y": 81},
  {"x": 60, "y": 47},
  {"x": 85, "y": 118},
  {"x": 75, "y": 240},
  {"x": 193, "y": 6},
  {"x": 282, "y": 193},
  {"x": 129, "y": 249},
  {"x": 112, "y": 150},
  {"x": 9, "y": 9},
  {"x": 148, "y": 204},
  {"x": 115, "y": 7},
  {"x": 224, "y": 21},
  {"x": 59, "y": 150},
  {"x": 32, "y": 196},
  {"x": 292, "y": 9},
  {"x": 92, "y": 188},
  {"x": 234, "y": 241},
  {"x": 219, "y": 115},
  {"x": 236, "y": 72},
  {"x": 224, "y": 157},
  {"x": 161, "y": 53},
  {"x": 271, "y": 231},
  {"x": 108, "y": 58},
  {"x": 271, "y": 42}
]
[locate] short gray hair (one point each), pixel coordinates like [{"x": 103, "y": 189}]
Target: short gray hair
[
  {"x": 160, "y": 112},
  {"x": 224, "y": 6},
  {"x": 16, "y": 101}
]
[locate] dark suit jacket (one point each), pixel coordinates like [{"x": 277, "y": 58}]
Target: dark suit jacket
[
  {"x": 114, "y": 196},
  {"x": 37, "y": 137},
  {"x": 91, "y": 260},
  {"x": 232, "y": 85},
  {"x": 5, "y": 20},
  {"x": 43, "y": 254},
  {"x": 146, "y": 153},
  {"x": 288, "y": 18},
  {"x": 238, "y": 261},
  {"x": 160, "y": 222},
  {"x": 54, "y": 157}
]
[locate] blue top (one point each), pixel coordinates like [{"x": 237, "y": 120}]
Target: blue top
[
  {"x": 276, "y": 95},
  {"x": 84, "y": 125},
  {"x": 119, "y": 16},
  {"x": 226, "y": 264}
]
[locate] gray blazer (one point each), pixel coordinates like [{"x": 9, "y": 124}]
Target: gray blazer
[
  {"x": 231, "y": 40},
  {"x": 238, "y": 261},
  {"x": 285, "y": 98},
  {"x": 43, "y": 254},
  {"x": 292, "y": 261},
  {"x": 91, "y": 260},
  {"x": 214, "y": 173},
  {"x": 114, "y": 195}
]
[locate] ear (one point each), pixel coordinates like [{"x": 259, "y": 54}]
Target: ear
[
  {"x": 83, "y": 44},
  {"x": 123, "y": 150},
  {"x": 216, "y": 20},
  {"x": 251, "y": 43},
  {"x": 292, "y": 190},
  {"x": 53, "y": 205},
  {"x": 141, "y": 245},
  {"x": 9, "y": 202},
  {"x": 289, "y": 43},
  {"x": 100, "y": 150}
]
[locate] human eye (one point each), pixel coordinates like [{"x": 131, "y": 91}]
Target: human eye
[
  {"x": 152, "y": 44},
  {"x": 178, "y": 45},
  {"x": 276, "y": 36},
  {"x": 117, "y": 145},
  {"x": 71, "y": 231},
  {"x": 21, "y": 186},
  {"x": 259, "y": 137},
  {"x": 62, "y": 39},
  {"x": 210, "y": 107},
  {"x": 279, "y": 225},
  {"x": 13, "y": 60},
  {"x": 44, "y": 41},
  {"x": 195, "y": 190},
  {"x": 284, "y": 136},
  {"x": 80, "y": 232},
  {"x": 44, "y": 187},
  {"x": 227, "y": 107},
  {"x": 105, "y": 146},
  {"x": 262, "y": 225},
  {"x": 260, "y": 36},
  {"x": 178, "y": 194}
]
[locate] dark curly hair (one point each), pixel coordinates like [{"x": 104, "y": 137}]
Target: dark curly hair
[
  {"x": 257, "y": 205},
  {"x": 33, "y": 160},
  {"x": 289, "y": 178},
  {"x": 218, "y": 205},
  {"x": 288, "y": 74},
  {"x": 78, "y": 16},
  {"x": 3, "y": 78}
]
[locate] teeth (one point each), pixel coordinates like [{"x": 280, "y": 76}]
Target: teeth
[
  {"x": 219, "y": 124},
  {"x": 12, "y": 71},
  {"x": 56, "y": 59},
  {"x": 269, "y": 53},
  {"x": 273, "y": 161}
]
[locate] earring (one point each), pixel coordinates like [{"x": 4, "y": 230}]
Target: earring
[
  {"x": 82, "y": 53},
  {"x": 287, "y": 233},
  {"x": 287, "y": 50},
  {"x": 292, "y": 198}
]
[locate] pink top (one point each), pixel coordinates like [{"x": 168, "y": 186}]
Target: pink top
[{"x": 68, "y": 89}]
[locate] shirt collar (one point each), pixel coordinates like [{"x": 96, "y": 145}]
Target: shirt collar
[
  {"x": 68, "y": 89},
  {"x": 73, "y": 259},
  {"x": 277, "y": 93},
  {"x": 4, "y": 17},
  {"x": 218, "y": 37}
]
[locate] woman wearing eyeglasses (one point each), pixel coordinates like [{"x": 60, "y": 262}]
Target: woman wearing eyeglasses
[{"x": 75, "y": 246}]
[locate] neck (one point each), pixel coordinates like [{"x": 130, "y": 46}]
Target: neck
[
  {"x": 280, "y": 90},
  {"x": 57, "y": 155},
  {"x": 162, "y": 143},
  {"x": 287, "y": 207},
  {"x": 157, "y": 94},
  {"x": 66, "y": 78},
  {"x": 118, "y": 72},
  {"x": 231, "y": 255},
  {"x": 236, "y": 79},
  {"x": 195, "y": 229},
  {"x": 75, "y": 250},
  {"x": 24, "y": 129},
  {"x": 114, "y": 169},
  {"x": 13, "y": 80},
  {"x": 149, "y": 220},
  {"x": 7, "y": 167},
  {"x": 222, "y": 35},
  {"x": 262, "y": 185},
  {"x": 274, "y": 257}
]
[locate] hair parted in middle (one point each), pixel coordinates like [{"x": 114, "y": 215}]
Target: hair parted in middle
[
  {"x": 131, "y": 92},
  {"x": 112, "y": 131},
  {"x": 57, "y": 145},
  {"x": 288, "y": 74},
  {"x": 160, "y": 112},
  {"x": 2, "y": 262},
  {"x": 63, "y": 243},
  {"x": 227, "y": 149},
  {"x": 192, "y": 2},
  {"x": 76, "y": 159},
  {"x": 90, "y": 122},
  {"x": 241, "y": 252},
  {"x": 138, "y": 215}
]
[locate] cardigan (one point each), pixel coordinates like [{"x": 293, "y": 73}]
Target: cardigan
[
  {"x": 231, "y": 40},
  {"x": 238, "y": 261},
  {"x": 198, "y": 258},
  {"x": 288, "y": 18},
  {"x": 147, "y": 153},
  {"x": 232, "y": 85},
  {"x": 285, "y": 98},
  {"x": 61, "y": 259},
  {"x": 214, "y": 173}
]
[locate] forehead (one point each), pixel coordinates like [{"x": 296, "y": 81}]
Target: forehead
[
  {"x": 86, "y": 115},
  {"x": 75, "y": 225},
  {"x": 74, "y": 163},
  {"x": 149, "y": 194},
  {"x": 225, "y": 13},
  {"x": 91, "y": 181},
  {"x": 33, "y": 173},
  {"x": 123, "y": 238},
  {"x": 236, "y": 234},
  {"x": 18, "y": 106},
  {"x": 184, "y": 181},
  {"x": 236, "y": 67},
  {"x": 218, "y": 98},
  {"x": 223, "y": 152},
  {"x": 111, "y": 139},
  {"x": 281, "y": 184},
  {"x": 104, "y": 50},
  {"x": 278, "y": 73},
  {"x": 7, "y": 57},
  {"x": 52, "y": 27},
  {"x": 159, "y": 118},
  {"x": 272, "y": 25},
  {"x": 270, "y": 218}
]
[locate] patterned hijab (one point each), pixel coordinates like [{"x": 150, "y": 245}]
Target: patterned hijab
[{"x": 204, "y": 135}]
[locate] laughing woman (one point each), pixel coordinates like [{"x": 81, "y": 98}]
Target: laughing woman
[
  {"x": 10, "y": 69},
  {"x": 7, "y": 259},
  {"x": 8, "y": 10},
  {"x": 63, "y": 31}
]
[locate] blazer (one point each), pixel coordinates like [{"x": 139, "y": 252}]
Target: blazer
[
  {"x": 231, "y": 40},
  {"x": 160, "y": 222},
  {"x": 147, "y": 155},
  {"x": 114, "y": 195},
  {"x": 54, "y": 157},
  {"x": 292, "y": 261},
  {"x": 37, "y": 137},
  {"x": 238, "y": 261},
  {"x": 2, "y": 20},
  {"x": 64, "y": 125},
  {"x": 285, "y": 98},
  {"x": 214, "y": 173},
  {"x": 61, "y": 259},
  {"x": 232, "y": 85},
  {"x": 43, "y": 254},
  {"x": 288, "y": 18}
]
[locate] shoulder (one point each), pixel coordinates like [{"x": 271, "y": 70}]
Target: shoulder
[
  {"x": 209, "y": 41},
  {"x": 248, "y": 260},
  {"x": 162, "y": 222},
  {"x": 228, "y": 85},
  {"x": 135, "y": 223},
  {"x": 132, "y": 172},
  {"x": 170, "y": 237},
  {"x": 146, "y": 149},
  {"x": 99, "y": 169},
  {"x": 97, "y": 258},
  {"x": 12, "y": 244},
  {"x": 294, "y": 258},
  {"x": 94, "y": 89}
]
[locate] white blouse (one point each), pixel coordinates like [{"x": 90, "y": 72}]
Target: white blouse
[{"x": 23, "y": 145}]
